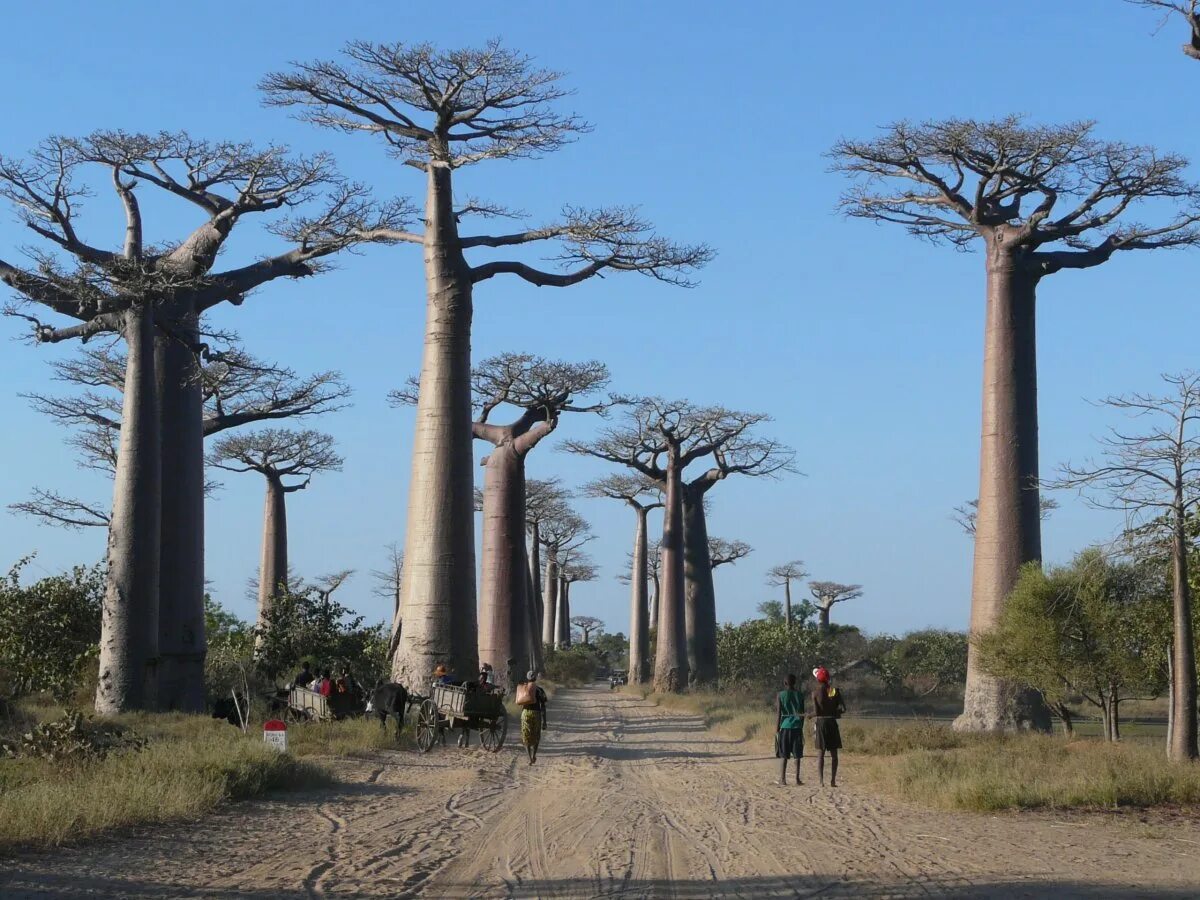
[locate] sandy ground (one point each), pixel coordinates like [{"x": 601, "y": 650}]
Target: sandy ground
[{"x": 624, "y": 801}]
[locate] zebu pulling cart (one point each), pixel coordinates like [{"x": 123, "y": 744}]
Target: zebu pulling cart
[{"x": 458, "y": 705}]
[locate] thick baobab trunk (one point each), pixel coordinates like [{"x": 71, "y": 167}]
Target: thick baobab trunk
[
  {"x": 272, "y": 571},
  {"x": 655, "y": 595},
  {"x": 670, "y": 654},
  {"x": 1008, "y": 524},
  {"x": 550, "y": 600},
  {"x": 700, "y": 603},
  {"x": 1183, "y": 661},
  {"x": 533, "y": 625},
  {"x": 181, "y": 640},
  {"x": 562, "y": 619},
  {"x": 129, "y": 621},
  {"x": 535, "y": 581},
  {"x": 639, "y": 614},
  {"x": 787, "y": 602},
  {"x": 505, "y": 574},
  {"x": 1170, "y": 700},
  {"x": 438, "y": 593},
  {"x": 823, "y": 619}
]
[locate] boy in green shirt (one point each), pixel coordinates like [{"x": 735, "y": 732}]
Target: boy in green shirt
[{"x": 789, "y": 724}]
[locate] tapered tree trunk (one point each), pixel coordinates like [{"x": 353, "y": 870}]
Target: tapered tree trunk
[
  {"x": 700, "y": 602},
  {"x": 639, "y": 613},
  {"x": 1116, "y": 715},
  {"x": 129, "y": 621},
  {"x": 655, "y": 594},
  {"x": 504, "y": 576},
  {"x": 787, "y": 602},
  {"x": 535, "y": 579},
  {"x": 1170, "y": 700},
  {"x": 823, "y": 619},
  {"x": 273, "y": 568},
  {"x": 1183, "y": 660},
  {"x": 1106, "y": 718},
  {"x": 550, "y": 600},
  {"x": 438, "y": 593},
  {"x": 670, "y": 655},
  {"x": 533, "y": 627},
  {"x": 1008, "y": 523},
  {"x": 562, "y": 619},
  {"x": 181, "y": 640}
]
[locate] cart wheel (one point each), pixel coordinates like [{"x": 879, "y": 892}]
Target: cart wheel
[
  {"x": 492, "y": 734},
  {"x": 427, "y": 726}
]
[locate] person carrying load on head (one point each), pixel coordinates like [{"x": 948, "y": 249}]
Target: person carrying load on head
[
  {"x": 828, "y": 706},
  {"x": 532, "y": 700}
]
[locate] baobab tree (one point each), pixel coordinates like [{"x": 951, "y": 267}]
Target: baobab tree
[
  {"x": 783, "y": 576},
  {"x": 587, "y": 625},
  {"x": 573, "y": 567},
  {"x": 280, "y": 456},
  {"x": 543, "y": 496},
  {"x": 1189, "y": 10},
  {"x": 563, "y": 532},
  {"x": 1040, "y": 199},
  {"x": 438, "y": 111},
  {"x": 153, "y": 296},
  {"x": 387, "y": 585},
  {"x": 235, "y": 390},
  {"x": 725, "y": 553},
  {"x": 1153, "y": 475},
  {"x": 653, "y": 573},
  {"x": 641, "y": 494},
  {"x": 543, "y": 390},
  {"x": 827, "y": 593},
  {"x": 659, "y": 440}
]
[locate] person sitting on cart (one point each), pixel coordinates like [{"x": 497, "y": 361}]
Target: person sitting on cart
[
  {"x": 345, "y": 682},
  {"x": 304, "y": 679},
  {"x": 532, "y": 700},
  {"x": 441, "y": 675},
  {"x": 325, "y": 688}
]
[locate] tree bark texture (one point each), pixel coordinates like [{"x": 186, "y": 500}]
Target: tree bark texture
[
  {"x": 504, "y": 576},
  {"x": 129, "y": 622},
  {"x": 181, "y": 640},
  {"x": 700, "y": 602},
  {"x": 639, "y": 614},
  {"x": 562, "y": 619},
  {"x": 655, "y": 592},
  {"x": 535, "y": 578},
  {"x": 1008, "y": 524},
  {"x": 670, "y": 655},
  {"x": 1183, "y": 744},
  {"x": 272, "y": 571},
  {"x": 533, "y": 625},
  {"x": 823, "y": 619},
  {"x": 438, "y": 593},
  {"x": 550, "y": 600},
  {"x": 787, "y": 602}
]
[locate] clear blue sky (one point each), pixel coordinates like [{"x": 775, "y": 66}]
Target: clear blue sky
[{"x": 864, "y": 344}]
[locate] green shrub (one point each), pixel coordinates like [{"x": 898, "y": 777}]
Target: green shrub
[
  {"x": 71, "y": 737},
  {"x": 573, "y": 666},
  {"x": 49, "y": 631}
]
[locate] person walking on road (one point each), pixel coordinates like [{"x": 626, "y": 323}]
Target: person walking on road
[
  {"x": 789, "y": 726},
  {"x": 828, "y": 706},
  {"x": 532, "y": 700}
]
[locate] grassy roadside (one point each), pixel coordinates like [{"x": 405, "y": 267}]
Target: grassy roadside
[
  {"x": 188, "y": 766},
  {"x": 926, "y": 763}
]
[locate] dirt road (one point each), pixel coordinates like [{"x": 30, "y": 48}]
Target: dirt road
[{"x": 625, "y": 801}]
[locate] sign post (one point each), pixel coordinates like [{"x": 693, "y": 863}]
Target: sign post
[{"x": 275, "y": 734}]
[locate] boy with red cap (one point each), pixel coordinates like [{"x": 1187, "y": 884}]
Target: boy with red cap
[{"x": 828, "y": 705}]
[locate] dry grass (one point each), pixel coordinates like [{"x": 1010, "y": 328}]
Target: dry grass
[
  {"x": 191, "y": 765},
  {"x": 925, "y": 762}
]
